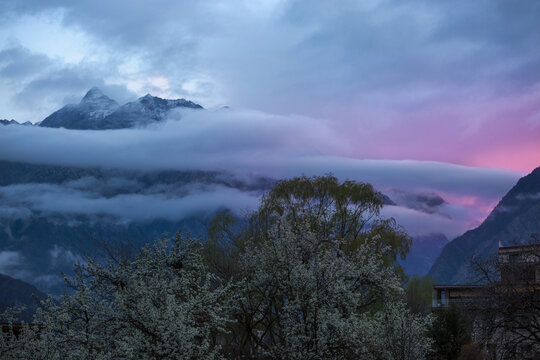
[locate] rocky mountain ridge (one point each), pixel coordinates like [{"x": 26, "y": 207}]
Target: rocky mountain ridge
[
  {"x": 96, "y": 111},
  {"x": 516, "y": 219},
  {"x": 14, "y": 122}
]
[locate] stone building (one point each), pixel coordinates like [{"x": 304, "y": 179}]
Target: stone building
[{"x": 505, "y": 309}]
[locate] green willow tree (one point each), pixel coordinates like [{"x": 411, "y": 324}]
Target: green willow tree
[
  {"x": 349, "y": 211},
  {"x": 303, "y": 297},
  {"x": 317, "y": 259},
  {"x": 419, "y": 291}
]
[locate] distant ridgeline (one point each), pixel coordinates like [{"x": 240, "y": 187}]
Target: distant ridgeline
[
  {"x": 15, "y": 292},
  {"x": 14, "y": 122},
  {"x": 96, "y": 111},
  {"x": 49, "y": 237},
  {"x": 513, "y": 221}
]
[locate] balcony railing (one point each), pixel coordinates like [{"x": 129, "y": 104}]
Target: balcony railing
[{"x": 437, "y": 303}]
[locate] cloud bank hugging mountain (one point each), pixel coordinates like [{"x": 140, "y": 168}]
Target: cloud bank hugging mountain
[{"x": 245, "y": 144}]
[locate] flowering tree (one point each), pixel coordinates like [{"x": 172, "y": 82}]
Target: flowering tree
[
  {"x": 304, "y": 297},
  {"x": 348, "y": 211},
  {"x": 162, "y": 304},
  {"x": 319, "y": 274}
]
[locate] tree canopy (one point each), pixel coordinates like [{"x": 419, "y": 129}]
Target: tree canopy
[
  {"x": 310, "y": 275},
  {"x": 348, "y": 211}
]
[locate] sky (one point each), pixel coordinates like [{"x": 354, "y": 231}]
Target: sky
[
  {"x": 455, "y": 82},
  {"x": 420, "y": 98}
]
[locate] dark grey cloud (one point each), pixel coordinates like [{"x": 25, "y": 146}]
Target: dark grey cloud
[
  {"x": 129, "y": 24},
  {"x": 19, "y": 63},
  {"x": 401, "y": 77},
  {"x": 426, "y": 202},
  {"x": 49, "y": 283},
  {"x": 9, "y": 259},
  {"x": 265, "y": 54},
  {"x": 14, "y": 212},
  {"x": 38, "y": 83},
  {"x": 61, "y": 256},
  {"x": 411, "y": 54},
  {"x": 451, "y": 221},
  {"x": 55, "y": 86},
  {"x": 12, "y": 263},
  {"x": 60, "y": 200},
  {"x": 427, "y": 212},
  {"x": 528, "y": 196},
  {"x": 465, "y": 39}
]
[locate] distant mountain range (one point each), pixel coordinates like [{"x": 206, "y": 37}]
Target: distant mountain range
[
  {"x": 19, "y": 293},
  {"x": 514, "y": 220},
  {"x": 96, "y": 111},
  {"x": 424, "y": 251},
  {"x": 14, "y": 122}
]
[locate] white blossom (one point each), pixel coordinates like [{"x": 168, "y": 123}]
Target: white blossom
[
  {"x": 305, "y": 298},
  {"x": 161, "y": 305}
]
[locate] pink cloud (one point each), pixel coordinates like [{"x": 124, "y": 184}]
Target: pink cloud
[{"x": 477, "y": 130}]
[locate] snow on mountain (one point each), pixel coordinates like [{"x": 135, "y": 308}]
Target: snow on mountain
[
  {"x": 145, "y": 110},
  {"x": 96, "y": 111},
  {"x": 98, "y": 104},
  {"x": 88, "y": 114}
]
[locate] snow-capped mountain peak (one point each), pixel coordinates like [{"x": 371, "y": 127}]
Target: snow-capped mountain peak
[
  {"x": 93, "y": 93},
  {"x": 94, "y": 96},
  {"x": 97, "y": 111}
]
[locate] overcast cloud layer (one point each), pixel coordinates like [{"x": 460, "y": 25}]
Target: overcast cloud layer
[
  {"x": 429, "y": 196},
  {"x": 418, "y": 80}
]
